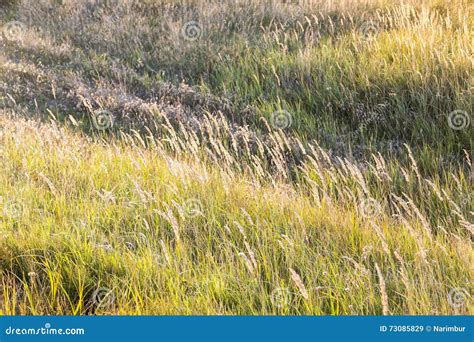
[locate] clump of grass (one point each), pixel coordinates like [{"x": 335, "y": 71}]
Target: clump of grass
[{"x": 83, "y": 215}]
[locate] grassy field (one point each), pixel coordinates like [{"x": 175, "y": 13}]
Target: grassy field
[{"x": 241, "y": 157}]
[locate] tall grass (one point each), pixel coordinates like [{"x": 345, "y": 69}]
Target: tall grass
[{"x": 283, "y": 158}]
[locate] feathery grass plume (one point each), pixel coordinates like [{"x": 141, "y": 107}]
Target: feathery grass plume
[
  {"x": 414, "y": 165},
  {"x": 404, "y": 278},
  {"x": 48, "y": 182},
  {"x": 361, "y": 268},
  {"x": 382, "y": 238},
  {"x": 241, "y": 230},
  {"x": 422, "y": 219},
  {"x": 383, "y": 291},
  {"x": 299, "y": 283},
  {"x": 169, "y": 216},
  {"x": 165, "y": 251}
]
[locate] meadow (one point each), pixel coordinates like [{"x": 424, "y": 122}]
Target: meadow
[{"x": 251, "y": 157}]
